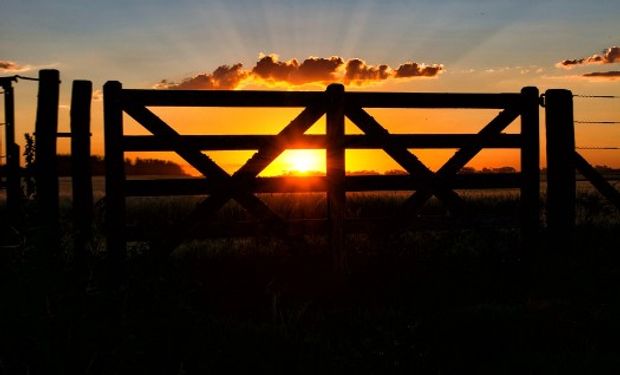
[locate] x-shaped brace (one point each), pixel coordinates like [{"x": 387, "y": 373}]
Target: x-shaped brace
[
  {"x": 226, "y": 186},
  {"x": 431, "y": 183}
]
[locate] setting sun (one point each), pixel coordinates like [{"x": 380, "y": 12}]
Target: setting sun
[{"x": 304, "y": 161}]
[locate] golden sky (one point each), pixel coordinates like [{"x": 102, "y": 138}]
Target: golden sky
[{"x": 392, "y": 45}]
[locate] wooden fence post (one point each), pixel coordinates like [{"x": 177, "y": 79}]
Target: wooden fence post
[
  {"x": 13, "y": 174},
  {"x": 336, "y": 195},
  {"x": 81, "y": 177},
  {"x": 46, "y": 129},
  {"x": 530, "y": 165},
  {"x": 114, "y": 172},
  {"x": 561, "y": 184}
]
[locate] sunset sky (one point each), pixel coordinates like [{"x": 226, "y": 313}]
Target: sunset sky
[{"x": 389, "y": 45}]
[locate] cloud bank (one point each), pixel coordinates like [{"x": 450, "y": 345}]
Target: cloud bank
[
  {"x": 609, "y": 56},
  {"x": 269, "y": 70}
]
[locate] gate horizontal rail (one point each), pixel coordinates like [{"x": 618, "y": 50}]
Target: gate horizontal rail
[
  {"x": 308, "y": 184},
  {"x": 227, "y": 98},
  {"x": 255, "y": 142}
]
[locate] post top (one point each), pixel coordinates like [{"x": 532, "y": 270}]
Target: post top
[
  {"x": 335, "y": 88},
  {"x": 112, "y": 85},
  {"x": 559, "y": 92},
  {"x": 49, "y": 73}
]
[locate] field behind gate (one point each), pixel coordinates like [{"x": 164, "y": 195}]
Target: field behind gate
[{"x": 429, "y": 301}]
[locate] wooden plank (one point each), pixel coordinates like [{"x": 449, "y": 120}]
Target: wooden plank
[
  {"x": 335, "y": 174},
  {"x": 81, "y": 176},
  {"x": 46, "y": 166},
  {"x": 222, "y": 98},
  {"x": 599, "y": 182},
  {"x": 441, "y": 141},
  {"x": 114, "y": 173},
  {"x": 405, "y": 158},
  {"x": 462, "y": 157},
  {"x": 248, "y": 98},
  {"x": 432, "y": 100},
  {"x": 298, "y": 184},
  {"x": 561, "y": 181},
  {"x": 530, "y": 166},
  {"x": 254, "y": 142}
]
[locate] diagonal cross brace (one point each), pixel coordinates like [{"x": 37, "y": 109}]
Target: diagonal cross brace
[
  {"x": 461, "y": 158},
  {"x": 238, "y": 182},
  {"x": 197, "y": 159},
  {"x": 597, "y": 180},
  {"x": 404, "y": 157},
  {"x": 227, "y": 186}
]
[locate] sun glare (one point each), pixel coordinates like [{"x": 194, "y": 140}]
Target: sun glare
[{"x": 304, "y": 161}]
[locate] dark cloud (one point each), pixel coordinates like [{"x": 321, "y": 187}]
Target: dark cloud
[
  {"x": 269, "y": 69},
  {"x": 10, "y": 66},
  {"x": 411, "y": 69},
  {"x": 609, "y": 56},
  {"x": 611, "y": 75},
  {"x": 225, "y": 77},
  {"x": 357, "y": 71},
  {"x": 317, "y": 69},
  {"x": 312, "y": 69}
]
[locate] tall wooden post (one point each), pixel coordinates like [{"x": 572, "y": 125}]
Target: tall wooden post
[
  {"x": 114, "y": 172},
  {"x": 561, "y": 184},
  {"x": 336, "y": 196},
  {"x": 530, "y": 165},
  {"x": 46, "y": 129},
  {"x": 81, "y": 177},
  {"x": 13, "y": 175}
]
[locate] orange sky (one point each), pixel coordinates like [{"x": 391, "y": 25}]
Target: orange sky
[{"x": 388, "y": 45}]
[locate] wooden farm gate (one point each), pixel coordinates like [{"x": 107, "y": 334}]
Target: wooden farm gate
[{"x": 336, "y": 104}]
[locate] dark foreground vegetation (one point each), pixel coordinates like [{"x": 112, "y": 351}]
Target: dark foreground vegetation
[{"x": 432, "y": 301}]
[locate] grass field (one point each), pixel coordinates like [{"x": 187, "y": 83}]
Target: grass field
[{"x": 437, "y": 301}]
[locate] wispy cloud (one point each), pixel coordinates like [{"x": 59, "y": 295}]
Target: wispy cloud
[
  {"x": 612, "y": 75},
  {"x": 608, "y": 56},
  {"x": 411, "y": 69},
  {"x": 270, "y": 70},
  {"x": 224, "y": 77},
  {"x": 527, "y": 69},
  {"x": 7, "y": 66}
]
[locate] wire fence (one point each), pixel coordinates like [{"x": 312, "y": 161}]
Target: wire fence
[
  {"x": 596, "y": 122},
  {"x": 592, "y": 122}
]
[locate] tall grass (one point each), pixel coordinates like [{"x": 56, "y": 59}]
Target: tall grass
[{"x": 447, "y": 300}]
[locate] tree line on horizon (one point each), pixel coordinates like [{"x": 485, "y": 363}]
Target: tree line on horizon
[
  {"x": 151, "y": 166},
  {"x": 138, "y": 166}
]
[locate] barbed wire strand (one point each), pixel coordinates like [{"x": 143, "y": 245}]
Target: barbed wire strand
[
  {"x": 26, "y": 78},
  {"x": 597, "y": 96},
  {"x": 597, "y": 148},
  {"x": 598, "y": 122}
]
